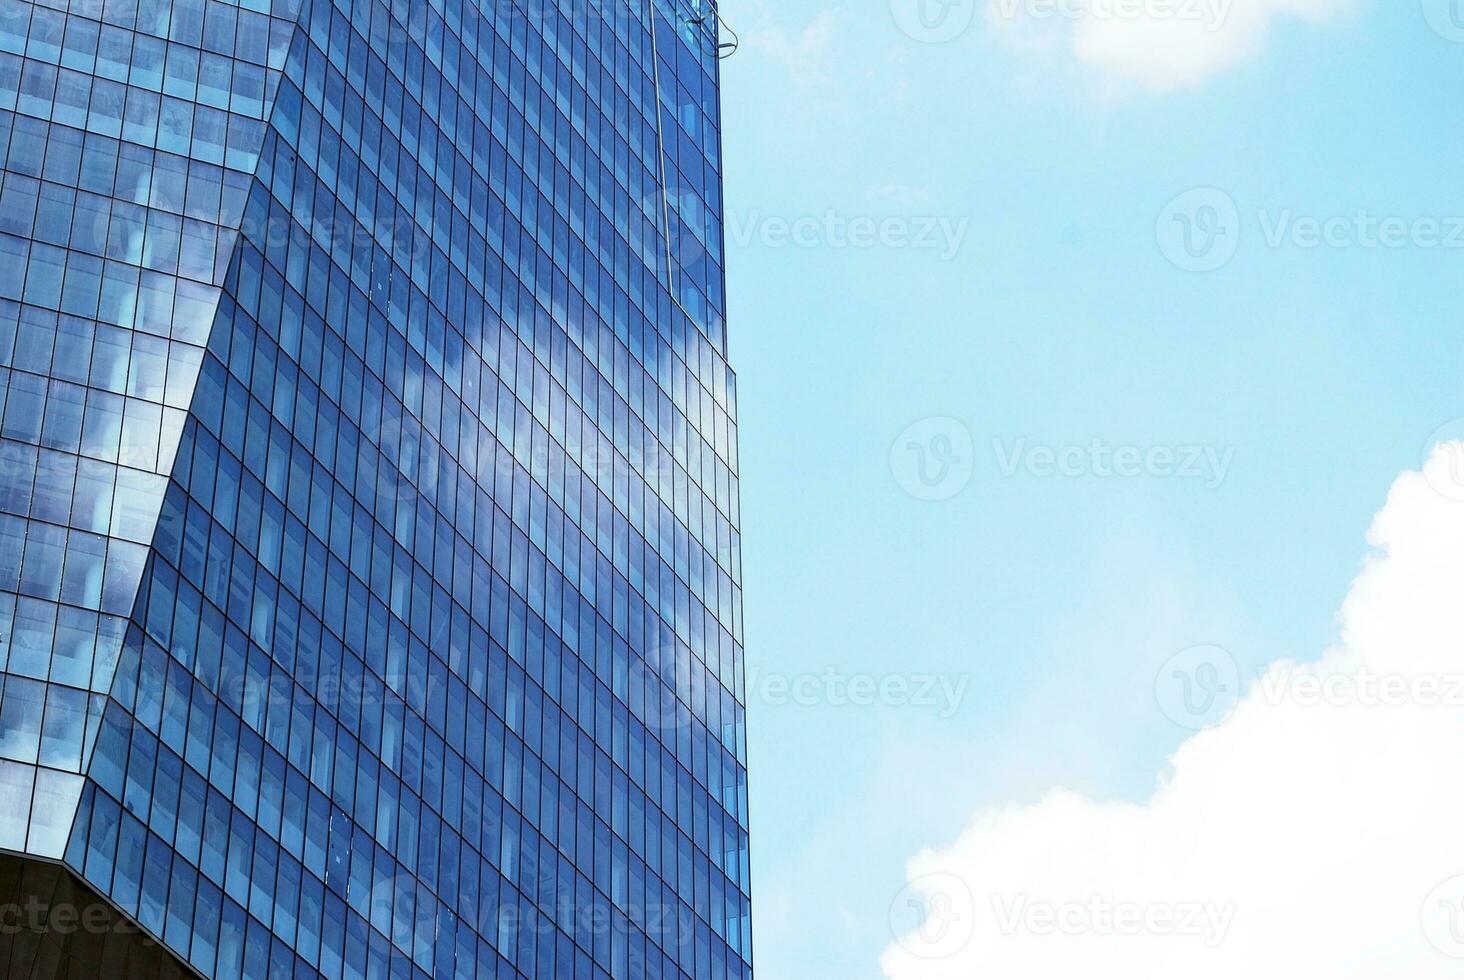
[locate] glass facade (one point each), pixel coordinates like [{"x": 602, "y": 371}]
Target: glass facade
[{"x": 370, "y": 593}]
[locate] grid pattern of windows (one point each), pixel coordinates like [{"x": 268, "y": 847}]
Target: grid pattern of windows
[
  {"x": 129, "y": 134},
  {"x": 427, "y": 661}
]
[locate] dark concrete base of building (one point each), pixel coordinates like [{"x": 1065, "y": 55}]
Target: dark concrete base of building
[{"x": 53, "y": 927}]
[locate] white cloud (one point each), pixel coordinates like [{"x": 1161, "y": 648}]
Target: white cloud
[
  {"x": 900, "y": 194},
  {"x": 1318, "y": 831},
  {"x": 806, "y": 54},
  {"x": 1157, "y": 45}
]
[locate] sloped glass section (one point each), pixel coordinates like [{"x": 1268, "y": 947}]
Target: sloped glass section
[
  {"x": 433, "y": 663},
  {"x": 129, "y": 133}
]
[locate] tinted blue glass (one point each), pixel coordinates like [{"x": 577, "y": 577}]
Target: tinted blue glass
[{"x": 370, "y": 481}]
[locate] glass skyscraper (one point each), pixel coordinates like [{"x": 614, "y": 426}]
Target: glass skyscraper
[{"x": 370, "y": 593}]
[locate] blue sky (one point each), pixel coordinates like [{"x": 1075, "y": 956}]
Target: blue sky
[{"x": 1022, "y": 285}]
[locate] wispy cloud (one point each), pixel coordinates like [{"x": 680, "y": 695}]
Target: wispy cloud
[
  {"x": 899, "y": 194},
  {"x": 1150, "y": 45},
  {"x": 806, "y": 52}
]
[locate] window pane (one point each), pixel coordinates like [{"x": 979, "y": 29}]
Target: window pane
[
  {"x": 20, "y": 718},
  {"x": 16, "y": 781}
]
